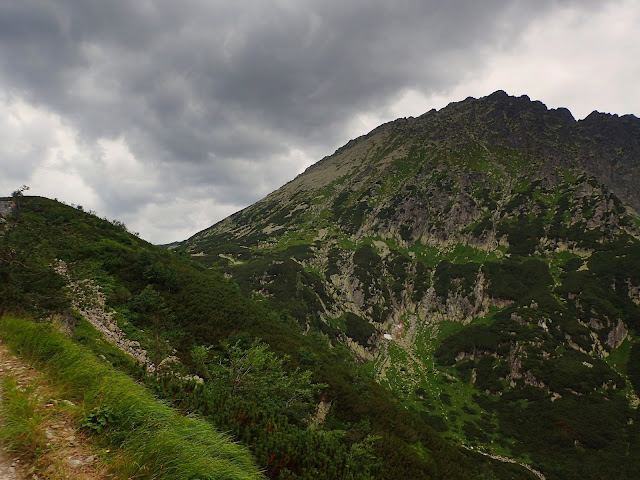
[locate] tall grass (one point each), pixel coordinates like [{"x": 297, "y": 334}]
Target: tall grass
[
  {"x": 158, "y": 442},
  {"x": 21, "y": 429}
]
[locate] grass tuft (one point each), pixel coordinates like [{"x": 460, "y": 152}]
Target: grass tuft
[
  {"x": 158, "y": 442},
  {"x": 21, "y": 424}
]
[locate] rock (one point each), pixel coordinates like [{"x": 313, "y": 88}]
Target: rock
[
  {"x": 89, "y": 301},
  {"x": 617, "y": 335},
  {"x": 74, "y": 462}
]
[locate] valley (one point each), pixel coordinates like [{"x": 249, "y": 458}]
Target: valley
[{"x": 455, "y": 295}]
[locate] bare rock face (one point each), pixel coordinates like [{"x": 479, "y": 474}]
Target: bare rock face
[
  {"x": 617, "y": 335},
  {"x": 515, "y": 363},
  {"x": 6, "y": 207},
  {"x": 611, "y": 151},
  {"x": 634, "y": 293}
]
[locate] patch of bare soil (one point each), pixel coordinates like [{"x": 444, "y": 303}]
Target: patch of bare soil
[{"x": 9, "y": 467}]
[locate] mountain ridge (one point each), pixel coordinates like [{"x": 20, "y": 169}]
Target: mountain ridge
[
  {"x": 191, "y": 320},
  {"x": 623, "y": 128},
  {"x": 470, "y": 257}
]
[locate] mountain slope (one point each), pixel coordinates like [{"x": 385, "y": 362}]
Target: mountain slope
[
  {"x": 483, "y": 259},
  {"x": 302, "y": 407},
  {"x": 444, "y": 178}
]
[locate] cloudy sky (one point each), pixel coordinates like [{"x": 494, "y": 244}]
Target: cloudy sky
[{"x": 171, "y": 115}]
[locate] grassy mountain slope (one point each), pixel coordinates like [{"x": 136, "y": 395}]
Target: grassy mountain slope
[
  {"x": 482, "y": 261},
  {"x": 155, "y": 440},
  {"x": 303, "y": 407}
]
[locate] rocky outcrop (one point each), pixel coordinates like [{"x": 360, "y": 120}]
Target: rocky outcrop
[
  {"x": 6, "y": 207},
  {"x": 617, "y": 335},
  {"x": 322, "y": 410},
  {"x": 515, "y": 363},
  {"x": 90, "y": 302},
  {"x": 634, "y": 292}
]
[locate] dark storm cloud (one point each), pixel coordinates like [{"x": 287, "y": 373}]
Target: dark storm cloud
[
  {"x": 209, "y": 93},
  {"x": 164, "y": 69}
]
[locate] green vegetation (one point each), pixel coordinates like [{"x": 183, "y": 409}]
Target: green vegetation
[
  {"x": 473, "y": 214},
  {"x": 358, "y": 329},
  {"x": 523, "y": 234},
  {"x": 161, "y": 296},
  {"x": 255, "y": 374},
  {"x": 555, "y": 290},
  {"x": 534, "y": 328},
  {"x": 507, "y": 280},
  {"x": 452, "y": 277},
  {"x": 368, "y": 269},
  {"x": 21, "y": 424},
  {"x": 123, "y": 414},
  {"x": 550, "y": 302},
  {"x": 518, "y": 281},
  {"x": 619, "y": 357}
]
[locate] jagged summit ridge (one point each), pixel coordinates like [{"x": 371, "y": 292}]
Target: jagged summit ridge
[{"x": 604, "y": 146}]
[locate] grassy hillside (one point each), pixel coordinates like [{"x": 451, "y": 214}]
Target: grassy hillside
[
  {"x": 156, "y": 441},
  {"x": 304, "y": 408}
]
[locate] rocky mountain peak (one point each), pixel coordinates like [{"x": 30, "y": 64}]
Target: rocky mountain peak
[{"x": 482, "y": 259}]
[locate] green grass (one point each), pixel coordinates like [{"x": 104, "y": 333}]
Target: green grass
[
  {"x": 434, "y": 389},
  {"x": 85, "y": 334},
  {"x": 404, "y": 168},
  {"x": 338, "y": 322},
  {"x": 569, "y": 176},
  {"x": 428, "y": 254},
  {"x": 472, "y": 157},
  {"x": 465, "y": 253},
  {"x": 158, "y": 442},
  {"x": 292, "y": 238},
  {"x": 21, "y": 424},
  {"x": 488, "y": 319},
  {"x": 619, "y": 357},
  {"x": 556, "y": 260},
  {"x": 345, "y": 243}
]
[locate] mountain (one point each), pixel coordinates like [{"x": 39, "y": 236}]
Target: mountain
[
  {"x": 482, "y": 262},
  {"x": 302, "y": 407}
]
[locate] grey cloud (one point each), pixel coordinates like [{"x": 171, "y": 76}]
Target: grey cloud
[
  {"x": 226, "y": 89},
  {"x": 293, "y": 65}
]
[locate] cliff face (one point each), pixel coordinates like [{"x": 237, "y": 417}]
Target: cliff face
[
  {"x": 612, "y": 153},
  {"x": 603, "y": 145}
]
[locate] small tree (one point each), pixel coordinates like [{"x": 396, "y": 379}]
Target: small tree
[
  {"x": 152, "y": 311},
  {"x": 19, "y": 192},
  {"x": 200, "y": 356}
]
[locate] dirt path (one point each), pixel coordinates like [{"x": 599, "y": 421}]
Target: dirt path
[
  {"x": 65, "y": 453},
  {"x": 8, "y": 469},
  {"x": 10, "y": 465},
  {"x": 509, "y": 460}
]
